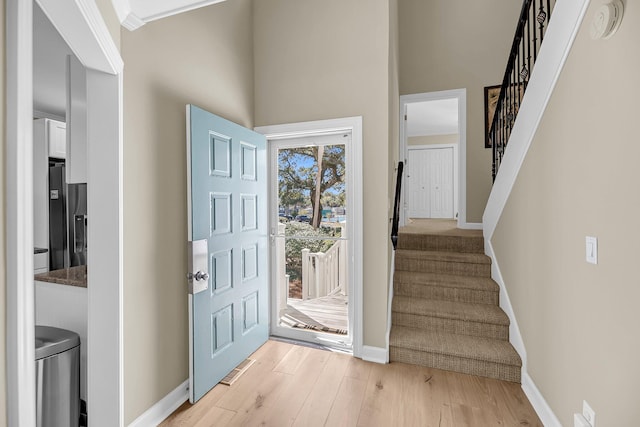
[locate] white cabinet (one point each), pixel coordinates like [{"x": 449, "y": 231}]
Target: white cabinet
[
  {"x": 50, "y": 136},
  {"x": 76, "y": 167},
  {"x": 57, "y": 137},
  {"x": 41, "y": 263}
]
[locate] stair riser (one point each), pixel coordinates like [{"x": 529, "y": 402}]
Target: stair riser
[
  {"x": 453, "y": 326},
  {"x": 440, "y": 293},
  {"x": 457, "y": 364},
  {"x": 443, "y": 267},
  {"x": 441, "y": 243}
]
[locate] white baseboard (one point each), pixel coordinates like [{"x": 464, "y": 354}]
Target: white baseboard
[
  {"x": 375, "y": 354},
  {"x": 538, "y": 402},
  {"x": 542, "y": 408},
  {"x": 515, "y": 338},
  {"x": 164, "y": 407}
]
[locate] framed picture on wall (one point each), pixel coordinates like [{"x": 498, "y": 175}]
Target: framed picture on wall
[
  {"x": 514, "y": 95},
  {"x": 491, "y": 94}
]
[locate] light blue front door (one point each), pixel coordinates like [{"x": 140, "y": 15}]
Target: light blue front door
[{"x": 228, "y": 302}]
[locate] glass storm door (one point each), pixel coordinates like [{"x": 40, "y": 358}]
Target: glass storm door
[
  {"x": 228, "y": 247},
  {"x": 309, "y": 224}
]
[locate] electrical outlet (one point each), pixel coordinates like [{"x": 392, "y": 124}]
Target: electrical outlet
[{"x": 588, "y": 413}]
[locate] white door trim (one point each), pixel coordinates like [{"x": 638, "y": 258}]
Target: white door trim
[
  {"x": 461, "y": 95},
  {"x": 82, "y": 27},
  {"x": 20, "y": 329},
  {"x": 456, "y": 182},
  {"x": 354, "y": 204}
]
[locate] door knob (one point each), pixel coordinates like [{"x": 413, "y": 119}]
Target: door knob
[
  {"x": 198, "y": 276},
  {"x": 201, "y": 276}
]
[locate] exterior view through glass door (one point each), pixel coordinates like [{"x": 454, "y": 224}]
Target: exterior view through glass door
[{"x": 310, "y": 266}]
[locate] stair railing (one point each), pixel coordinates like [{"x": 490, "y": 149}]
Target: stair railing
[
  {"x": 396, "y": 207},
  {"x": 532, "y": 24}
]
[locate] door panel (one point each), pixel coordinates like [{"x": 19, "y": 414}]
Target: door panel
[
  {"x": 441, "y": 167},
  {"x": 418, "y": 182},
  {"x": 227, "y": 209},
  {"x": 430, "y": 183}
]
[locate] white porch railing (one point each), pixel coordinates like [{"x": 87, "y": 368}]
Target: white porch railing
[{"x": 325, "y": 273}]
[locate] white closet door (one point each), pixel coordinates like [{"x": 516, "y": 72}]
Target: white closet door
[{"x": 430, "y": 183}]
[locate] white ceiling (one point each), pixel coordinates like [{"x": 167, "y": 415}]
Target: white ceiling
[
  {"x": 432, "y": 117},
  {"x": 49, "y": 67}
]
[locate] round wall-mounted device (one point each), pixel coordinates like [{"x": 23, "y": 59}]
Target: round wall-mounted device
[{"x": 606, "y": 20}]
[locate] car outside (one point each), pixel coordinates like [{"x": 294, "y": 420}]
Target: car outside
[{"x": 303, "y": 218}]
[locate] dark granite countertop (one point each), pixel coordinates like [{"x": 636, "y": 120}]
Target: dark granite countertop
[
  {"x": 72, "y": 276},
  {"x": 40, "y": 250}
]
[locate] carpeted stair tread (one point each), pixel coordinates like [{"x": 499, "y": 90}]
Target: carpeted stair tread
[
  {"x": 452, "y": 263},
  {"x": 446, "y": 287},
  {"x": 449, "y": 241},
  {"x": 461, "y": 346},
  {"x": 482, "y": 313},
  {"x": 446, "y": 280},
  {"x": 466, "y": 258}
]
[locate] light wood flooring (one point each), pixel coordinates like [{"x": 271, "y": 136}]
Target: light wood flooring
[
  {"x": 291, "y": 385},
  {"x": 329, "y": 311}
]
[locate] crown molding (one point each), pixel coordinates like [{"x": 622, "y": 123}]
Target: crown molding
[{"x": 133, "y": 14}]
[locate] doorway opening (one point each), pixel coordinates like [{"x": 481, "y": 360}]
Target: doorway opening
[
  {"x": 310, "y": 258},
  {"x": 90, "y": 41},
  {"x": 433, "y": 146},
  {"x": 315, "y": 221}
]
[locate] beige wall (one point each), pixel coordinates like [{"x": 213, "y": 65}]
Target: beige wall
[
  {"x": 454, "y": 44},
  {"x": 110, "y": 18},
  {"x": 321, "y": 60},
  {"x": 580, "y": 178},
  {"x": 433, "y": 139},
  {"x": 202, "y": 57},
  {"x": 394, "y": 107},
  {"x": 3, "y": 273}
]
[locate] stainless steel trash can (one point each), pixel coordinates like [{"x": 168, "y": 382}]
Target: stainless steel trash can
[{"x": 57, "y": 377}]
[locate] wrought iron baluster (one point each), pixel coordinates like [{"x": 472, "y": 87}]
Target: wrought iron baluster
[
  {"x": 541, "y": 17},
  {"x": 535, "y": 34},
  {"x": 523, "y": 55}
]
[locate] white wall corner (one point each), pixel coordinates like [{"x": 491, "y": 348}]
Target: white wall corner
[
  {"x": 375, "y": 354},
  {"x": 164, "y": 407},
  {"x": 564, "y": 25},
  {"x": 540, "y": 405}
]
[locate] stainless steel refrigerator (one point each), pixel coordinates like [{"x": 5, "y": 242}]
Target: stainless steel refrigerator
[
  {"x": 58, "y": 257},
  {"x": 77, "y": 223},
  {"x": 67, "y": 220}
]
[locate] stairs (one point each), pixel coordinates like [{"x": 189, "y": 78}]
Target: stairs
[{"x": 445, "y": 311}]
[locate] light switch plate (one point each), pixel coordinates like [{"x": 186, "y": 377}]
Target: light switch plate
[
  {"x": 579, "y": 421},
  {"x": 592, "y": 250}
]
